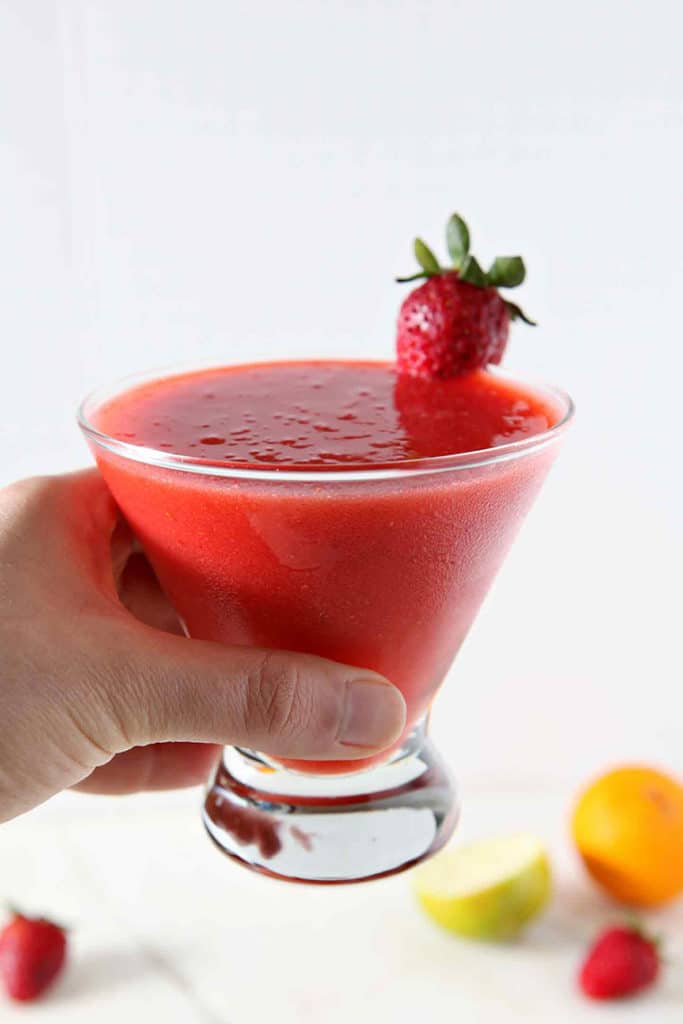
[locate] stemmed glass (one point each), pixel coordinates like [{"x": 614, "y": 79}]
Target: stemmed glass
[{"x": 382, "y": 567}]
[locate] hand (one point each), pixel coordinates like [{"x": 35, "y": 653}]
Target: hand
[{"x": 100, "y": 690}]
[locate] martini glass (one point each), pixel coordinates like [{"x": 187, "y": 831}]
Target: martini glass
[{"x": 382, "y": 567}]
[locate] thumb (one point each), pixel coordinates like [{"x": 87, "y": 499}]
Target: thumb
[{"x": 286, "y": 704}]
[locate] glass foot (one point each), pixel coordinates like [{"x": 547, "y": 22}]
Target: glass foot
[{"x": 331, "y": 828}]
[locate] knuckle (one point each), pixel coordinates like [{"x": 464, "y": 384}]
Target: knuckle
[
  {"x": 29, "y": 487},
  {"x": 275, "y": 696},
  {"x": 124, "y": 691},
  {"x": 69, "y": 702},
  {"x": 27, "y": 496},
  {"x": 29, "y": 514}
]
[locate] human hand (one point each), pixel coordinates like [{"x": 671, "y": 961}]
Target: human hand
[{"x": 100, "y": 690}]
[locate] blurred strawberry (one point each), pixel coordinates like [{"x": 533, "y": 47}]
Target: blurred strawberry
[
  {"x": 622, "y": 962},
  {"x": 32, "y": 953}
]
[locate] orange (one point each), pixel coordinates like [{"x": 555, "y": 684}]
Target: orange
[{"x": 628, "y": 827}]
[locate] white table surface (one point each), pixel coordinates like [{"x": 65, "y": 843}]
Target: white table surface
[{"x": 165, "y": 928}]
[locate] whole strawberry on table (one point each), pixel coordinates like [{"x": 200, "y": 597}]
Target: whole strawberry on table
[
  {"x": 623, "y": 961},
  {"x": 32, "y": 955}
]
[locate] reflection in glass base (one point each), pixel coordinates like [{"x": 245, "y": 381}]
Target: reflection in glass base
[{"x": 332, "y": 828}]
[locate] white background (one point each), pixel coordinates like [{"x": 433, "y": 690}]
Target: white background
[{"x": 230, "y": 180}]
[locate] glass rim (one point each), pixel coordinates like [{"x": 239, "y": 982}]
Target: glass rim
[{"x": 300, "y": 473}]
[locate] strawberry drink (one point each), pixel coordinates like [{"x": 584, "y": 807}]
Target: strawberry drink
[
  {"x": 354, "y": 510},
  {"x": 349, "y": 571}
]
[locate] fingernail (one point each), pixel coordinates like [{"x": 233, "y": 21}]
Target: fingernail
[{"x": 373, "y": 716}]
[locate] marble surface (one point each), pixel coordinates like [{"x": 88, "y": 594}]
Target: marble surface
[{"x": 163, "y": 926}]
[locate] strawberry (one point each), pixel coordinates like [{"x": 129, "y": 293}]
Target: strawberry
[
  {"x": 456, "y": 321},
  {"x": 32, "y": 952},
  {"x": 623, "y": 961}
]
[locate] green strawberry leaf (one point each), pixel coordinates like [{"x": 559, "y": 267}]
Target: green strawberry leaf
[
  {"x": 507, "y": 272},
  {"x": 457, "y": 240},
  {"x": 411, "y": 277},
  {"x": 517, "y": 313},
  {"x": 425, "y": 257},
  {"x": 472, "y": 273}
]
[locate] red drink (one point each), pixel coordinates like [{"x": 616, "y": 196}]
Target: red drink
[{"x": 308, "y": 518}]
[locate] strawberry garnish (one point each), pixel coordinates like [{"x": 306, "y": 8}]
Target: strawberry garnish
[
  {"x": 622, "y": 961},
  {"x": 32, "y": 953},
  {"x": 457, "y": 320}
]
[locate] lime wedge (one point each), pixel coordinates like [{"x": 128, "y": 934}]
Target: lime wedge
[{"x": 486, "y": 890}]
